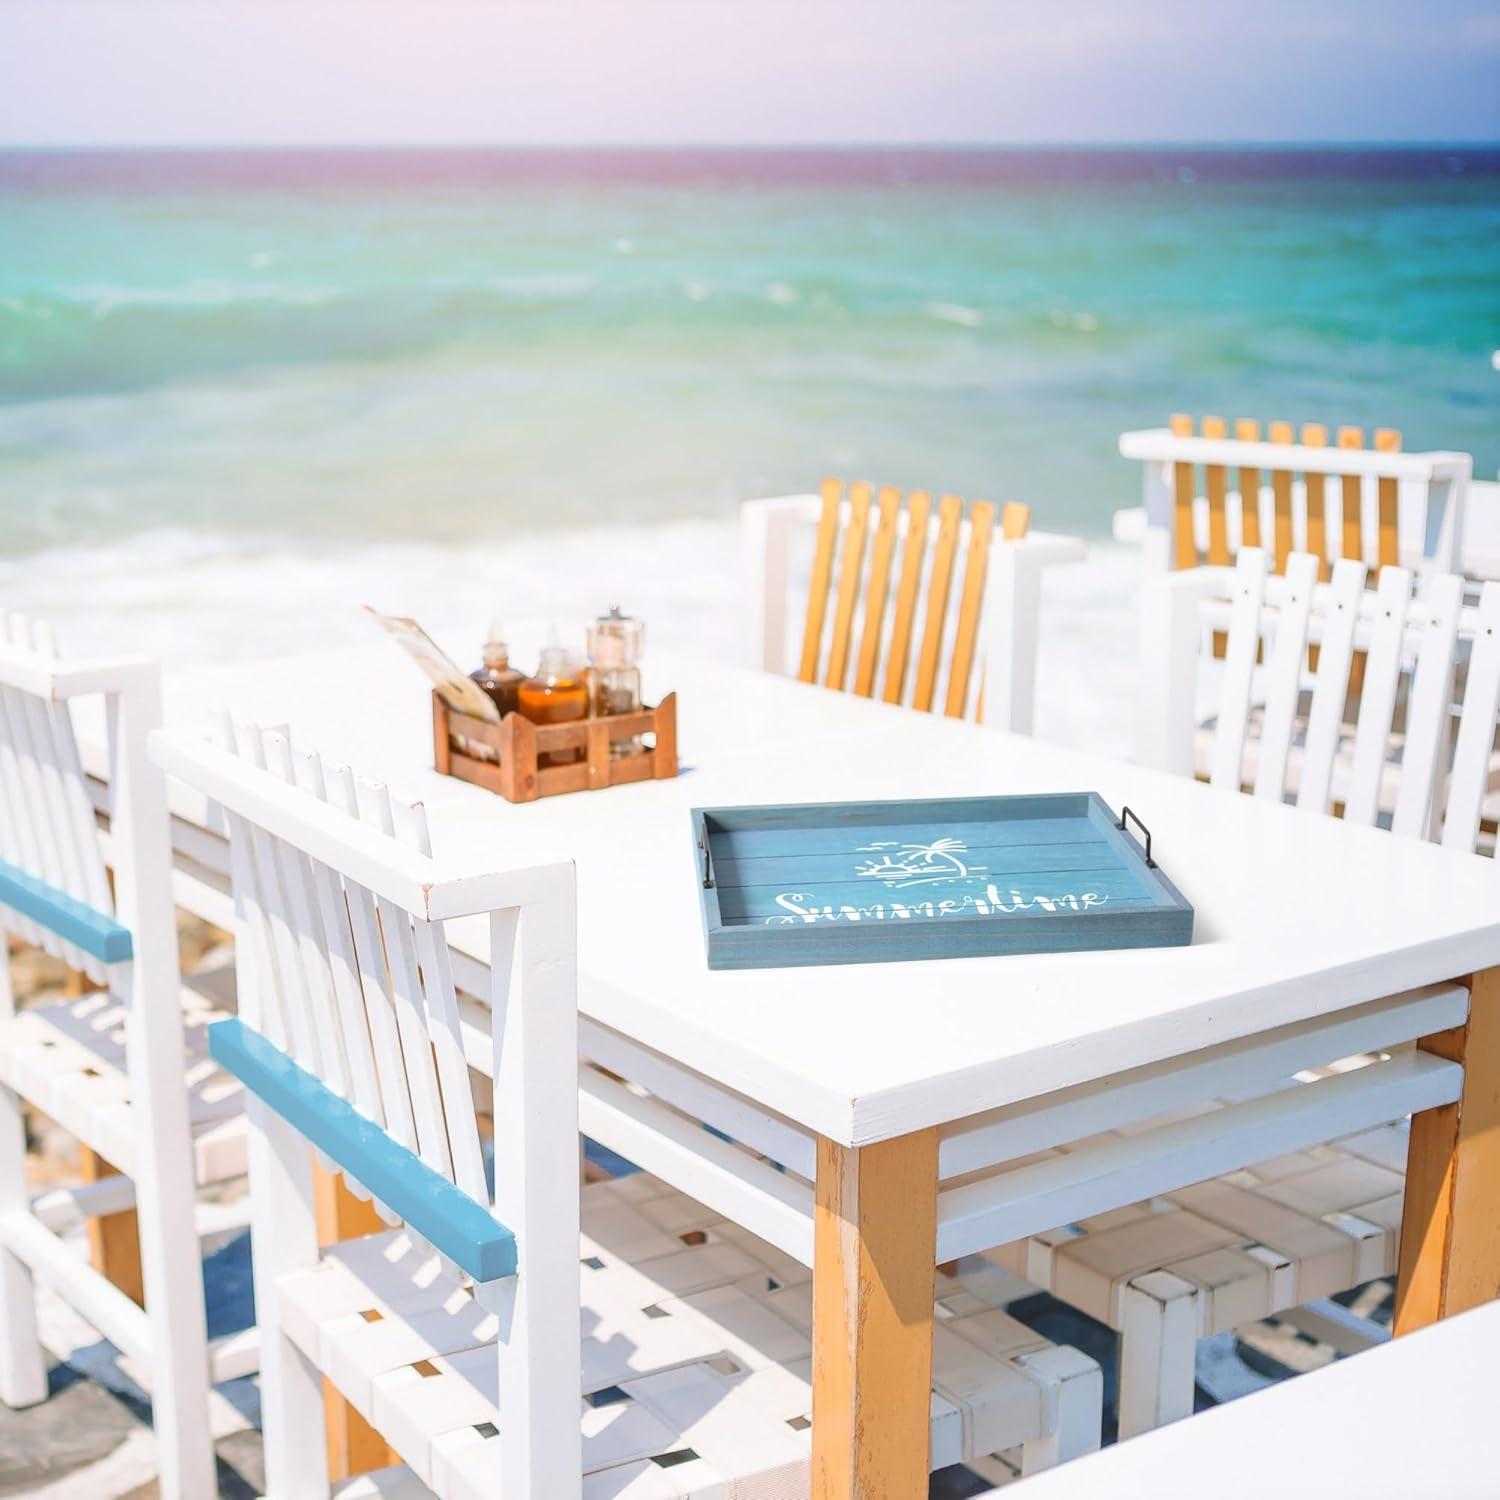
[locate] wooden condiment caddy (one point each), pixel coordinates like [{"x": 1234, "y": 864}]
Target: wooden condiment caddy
[{"x": 520, "y": 744}]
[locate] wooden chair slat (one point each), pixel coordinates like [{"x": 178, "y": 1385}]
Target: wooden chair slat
[
  {"x": 1427, "y": 722},
  {"x": 29, "y": 803},
  {"x": 1331, "y": 684},
  {"x": 1281, "y": 499},
  {"x": 1476, "y": 729},
  {"x": 1387, "y": 440},
  {"x": 1239, "y": 667},
  {"x": 1248, "y": 479},
  {"x": 966, "y": 633},
  {"x": 939, "y": 584},
  {"x": 1216, "y": 490},
  {"x": 266, "y": 882},
  {"x": 1315, "y": 435},
  {"x": 443, "y": 1025},
  {"x": 17, "y": 838},
  {"x": 305, "y": 918},
  {"x": 1015, "y": 520},
  {"x": 1284, "y": 677},
  {"x": 1352, "y": 540},
  {"x": 364, "y": 1081},
  {"x": 374, "y": 979},
  {"x": 822, "y": 577},
  {"x": 918, "y": 509},
  {"x": 878, "y": 590},
  {"x": 1382, "y": 673},
  {"x": 851, "y": 569},
  {"x": 1184, "y": 491},
  {"x": 401, "y": 957}
]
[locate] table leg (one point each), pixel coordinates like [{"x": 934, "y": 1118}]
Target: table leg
[
  {"x": 874, "y": 1247},
  {"x": 1450, "y": 1227},
  {"x": 114, "y": 1239},
  {"x": 354, "y": 1447}
]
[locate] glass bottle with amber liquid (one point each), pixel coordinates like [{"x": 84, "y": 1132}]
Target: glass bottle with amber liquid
[
  {"x": 615, "y": 674},
  {"x": 501, "y": 681},
  {"x": 555, "y": 694}
]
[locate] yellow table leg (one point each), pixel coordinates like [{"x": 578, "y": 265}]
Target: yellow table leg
[
  {"x": 1450, "y": 1227},
  {"x": 354, "y": 1447},
  {"x": 875, "y": 1232}
]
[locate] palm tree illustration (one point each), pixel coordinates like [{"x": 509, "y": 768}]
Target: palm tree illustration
[{"x": 922, "y": 864}]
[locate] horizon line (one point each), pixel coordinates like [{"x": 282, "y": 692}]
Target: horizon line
[{"x": 1220, "y": 144}]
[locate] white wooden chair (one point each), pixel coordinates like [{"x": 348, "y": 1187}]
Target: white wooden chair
[
  {"x": 110, "y": 1068},
  {"x": 666, "y": 1352},
  {"x": 1413, "y": 1418},
  {"x": 1299, "y": 1226},
  {"x": 1336, "y": 500},
  {"x": 898, "y": 627}
]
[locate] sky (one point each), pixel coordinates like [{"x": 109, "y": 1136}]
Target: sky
[{"x": 342, "y": 72}]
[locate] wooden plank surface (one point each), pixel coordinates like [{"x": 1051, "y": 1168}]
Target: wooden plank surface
[
  {"x": 1215, "y": 488},
  {"x": 966, "y": 633},
  {"x": 822, "y": 577},
  {"x": 1185, "y": 541},
  {"x": 851, "y": 570},
  {"x": 1315, "y": 435},
  {"x": 1387, "y": 440},
  {"x": 1281, "y": 499},
  {"x": 875, "y": 1236},
  {"x": 918, "y": 509},
  {"x": 1248, "y": 479},
  {"x": 1450, "y": 1228},
  {"x": 1352, "y": 542},
  {"x": 939, "y": 582},
  {"x": 877, "y": 590}
]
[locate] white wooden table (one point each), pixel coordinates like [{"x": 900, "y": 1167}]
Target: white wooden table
[{"x": 884, "y": 1071}]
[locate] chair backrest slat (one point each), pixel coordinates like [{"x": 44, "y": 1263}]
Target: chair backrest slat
[
  {"x": 970, "y": 609},
  {"x": 1387, "y": 440},
  {"x": 1378, "y": 699},
  {"x": 401, "y": 958},
  {"x": 50, "y": 833},
  {"x": 851, "y": 569},
  {"x": 1247, "y": 430},
  {"x": 304, "y": 916},
  {"x": 1284, "y": 674},
  {"x": 1351, "y": 499},
  {"x": 343, "y": 966},
  {"x": 939, "y": 582},
  {"x": 1341, "y": 615},
  {"x": 1431, "y": 694},
  {"x": 1184, "y": 489},
  {"x": 374, "y": 979},
  {"x": 1216, "y": 492},
  {"x": 918, "y": 509},
  {"x": 1474, "y": 750},
  {"x": 266, "y": 875},
  {"x": 877, "y": 591},
  {"x": 1239, "y": 667},
  {"x": 1315, "y": 435},
  {"x": 822, "y": 578},
  {"x": 1281, "y": 498},
  {"x": 436, "y": 971}
]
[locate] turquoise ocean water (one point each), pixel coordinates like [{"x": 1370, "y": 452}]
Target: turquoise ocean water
[{"x": 387, "y": 345}]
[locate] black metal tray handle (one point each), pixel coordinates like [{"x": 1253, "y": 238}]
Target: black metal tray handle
[
  {"x": 708, "y": 858},
  {"x": 1125, "y": 812}
]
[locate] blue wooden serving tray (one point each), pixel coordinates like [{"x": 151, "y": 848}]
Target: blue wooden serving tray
[{"x": 878, "y": 882}]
